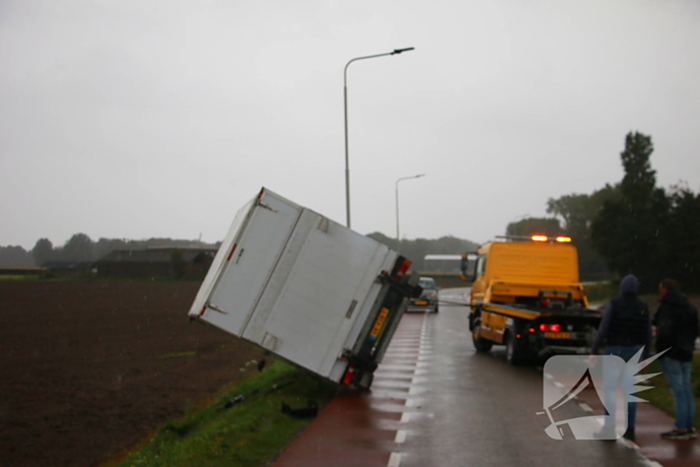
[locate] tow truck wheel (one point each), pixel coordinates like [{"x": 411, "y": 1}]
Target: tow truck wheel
[
  {"x": 514, "y": 350},
  {"x": 481, "y": 344}
]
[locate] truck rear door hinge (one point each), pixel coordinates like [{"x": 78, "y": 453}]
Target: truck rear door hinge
[
  {"x": 216, "y": 308},
  {"x": 353, "y": 304},
  {"x": 263, "y": 204},
  {"x": 323, "y": 225}
]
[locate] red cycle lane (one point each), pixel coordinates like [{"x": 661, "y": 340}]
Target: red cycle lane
[{"x": 362, "y": 428}]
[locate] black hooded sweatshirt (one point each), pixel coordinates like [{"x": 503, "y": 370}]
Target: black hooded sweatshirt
[{"x": 676, "y": 323}]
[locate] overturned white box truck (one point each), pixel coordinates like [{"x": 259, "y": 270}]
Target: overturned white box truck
[{"x": 306, "y": 288}]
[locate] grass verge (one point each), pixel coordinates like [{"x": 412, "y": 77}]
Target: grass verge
[
  {"x": 601, "y": 292},
  {"x": 19, "y": 277},
  {"x": 661, "y": 396},
  {"x": 248, "y": 434}
]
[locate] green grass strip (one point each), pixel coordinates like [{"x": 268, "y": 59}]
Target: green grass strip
[
  {"x": 251, "y": 433},
  {"x": 18, "y": 277},
  {"x": 601, "y": 292},
  {"x": 662, "y": 397}
]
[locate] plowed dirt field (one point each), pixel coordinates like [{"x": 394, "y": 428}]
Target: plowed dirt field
[{"x": 89, "y": 368}]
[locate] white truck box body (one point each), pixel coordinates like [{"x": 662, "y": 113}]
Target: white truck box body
[{"x": 297, "y": 284}]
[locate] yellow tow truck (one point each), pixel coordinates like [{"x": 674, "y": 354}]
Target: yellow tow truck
[{"x": 526, "y": 295}]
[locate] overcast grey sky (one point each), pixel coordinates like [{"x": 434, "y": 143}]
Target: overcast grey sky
[{"x": 138, "y": 119}]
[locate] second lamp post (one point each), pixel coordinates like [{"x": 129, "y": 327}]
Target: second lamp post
[{"x": 398, "y": 238}]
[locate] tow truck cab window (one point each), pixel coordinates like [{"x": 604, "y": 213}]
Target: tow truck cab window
[{"x": 480, "y": 267}]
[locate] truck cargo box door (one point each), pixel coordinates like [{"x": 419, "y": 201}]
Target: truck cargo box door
[
  {"x": 249, "y": 263},
  {"x": 314, "y": 312}
]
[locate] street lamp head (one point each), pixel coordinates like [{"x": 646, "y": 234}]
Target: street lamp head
[{"x": 345, "y": 101}]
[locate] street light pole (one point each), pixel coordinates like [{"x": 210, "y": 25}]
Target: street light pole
[
  {"x": 345, "y": 102},
  {"x": 397, "y": 202}
]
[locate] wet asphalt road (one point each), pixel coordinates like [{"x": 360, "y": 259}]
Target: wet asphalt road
[
  {"x": 475, "y": 409},
  {"x": 436, "y": 402}
]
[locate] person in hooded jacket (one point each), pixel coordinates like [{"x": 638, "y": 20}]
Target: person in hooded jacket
[
  {"x": 676, "y": 322},
  {"x": 625, "y": 330}
]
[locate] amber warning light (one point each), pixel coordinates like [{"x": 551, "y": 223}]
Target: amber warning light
[{"x": 544, "y": 238}]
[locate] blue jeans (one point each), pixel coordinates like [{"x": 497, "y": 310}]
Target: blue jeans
[
  {"x": 613, "y": 377},
  {"x": 677, "y": 374}
]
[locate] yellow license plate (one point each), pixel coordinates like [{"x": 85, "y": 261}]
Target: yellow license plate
[
  {"x": 421, "y": 302},
  {"x": 379, "y": 323},
  {"x": 557, "y": 335}
]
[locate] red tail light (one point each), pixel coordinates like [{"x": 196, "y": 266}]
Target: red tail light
[
  {"x": 402, "y": 270},
  {"x": 550, "y": 327}
]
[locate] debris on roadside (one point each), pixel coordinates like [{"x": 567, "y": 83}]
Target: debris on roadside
[
  {"x": 258, "y": 364},
  {"x": 234, "y": 401},
  {"x": 310, "y": 411}
]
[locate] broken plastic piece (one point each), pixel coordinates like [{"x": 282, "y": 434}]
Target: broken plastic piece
[{"x": 234, "y": 401}]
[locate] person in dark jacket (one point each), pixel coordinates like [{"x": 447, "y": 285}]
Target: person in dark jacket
[
  {"x": 676, "y": 323},
  {"x": 625, "y": 329}
]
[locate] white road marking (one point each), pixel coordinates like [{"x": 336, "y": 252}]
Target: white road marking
[
  {"x": 394, "y": 459},
  {"x": 419, "y": 353},
  {"x": 400, "y": 436}
]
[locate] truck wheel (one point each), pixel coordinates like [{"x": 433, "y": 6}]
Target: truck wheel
[
  {"x": 366, "y": 381},
  {"x": 481, "y": 344},
  {"x": 437, "y": 308},
  {"x": 515, "y": 350}
]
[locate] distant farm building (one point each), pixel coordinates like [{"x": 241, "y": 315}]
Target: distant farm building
[
  {"x": 66, "y": 268},
  {"x": 21, "y": 271},
  {"x": 184, "y": 263}
]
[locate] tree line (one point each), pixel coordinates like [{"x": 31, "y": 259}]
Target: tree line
[
  {"x": 416, "y": 249},
  {"x": 631, "y": 227},
  {"x": 80, "y": 248}
]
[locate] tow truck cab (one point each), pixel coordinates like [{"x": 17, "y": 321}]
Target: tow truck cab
[{"x": 526, "y": 295}]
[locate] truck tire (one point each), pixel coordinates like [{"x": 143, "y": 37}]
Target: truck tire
[
  {"x": 481, "y": 344},
  {"x": 515, "y": 350},
  {"x": 366, "y": 381}
]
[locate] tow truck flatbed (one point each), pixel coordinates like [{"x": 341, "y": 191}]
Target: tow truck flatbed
[{"x": 527, "y": 296}]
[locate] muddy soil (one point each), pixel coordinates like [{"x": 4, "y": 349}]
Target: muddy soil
[{"x": 89, "y": 368}]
